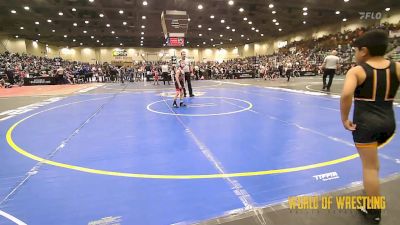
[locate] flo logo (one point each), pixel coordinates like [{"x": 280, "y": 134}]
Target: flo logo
[{"x": 370, "y": 15}]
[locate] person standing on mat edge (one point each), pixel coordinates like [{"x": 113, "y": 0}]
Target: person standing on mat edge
[
  {"x": 330, "y": 65},
  {"x": 289, "y": 70},
  {"x": 188, "y": 72},
  {"x": 374, "y": 83}
]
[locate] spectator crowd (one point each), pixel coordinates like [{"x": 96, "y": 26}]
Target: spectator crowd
[{"x": 294, "y": 59}]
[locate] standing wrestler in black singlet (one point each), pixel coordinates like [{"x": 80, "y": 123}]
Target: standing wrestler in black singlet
[
  {"x": 374, "y": 83},
  {"x": 179, "y": 85}
]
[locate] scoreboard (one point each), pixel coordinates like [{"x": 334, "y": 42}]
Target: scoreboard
[{"x": 175, "y": 41}]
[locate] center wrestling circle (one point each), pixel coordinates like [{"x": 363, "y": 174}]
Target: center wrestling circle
[{"x": 172, "y": 113}]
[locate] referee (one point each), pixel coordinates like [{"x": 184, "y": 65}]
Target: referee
[
  {"x": 164, "y": 70},
  {"x": 188, "y": 72},
  {"x": 330, "y": 65}
]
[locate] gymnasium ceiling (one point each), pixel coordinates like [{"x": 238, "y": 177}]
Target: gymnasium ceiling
[{"x": 127, "y": 24}]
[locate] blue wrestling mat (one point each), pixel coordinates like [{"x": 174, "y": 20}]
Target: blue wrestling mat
[{"x": 130, "y": 158}]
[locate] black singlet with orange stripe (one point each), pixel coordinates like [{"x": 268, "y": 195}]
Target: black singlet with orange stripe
[{"x": 373, "y": 105}]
